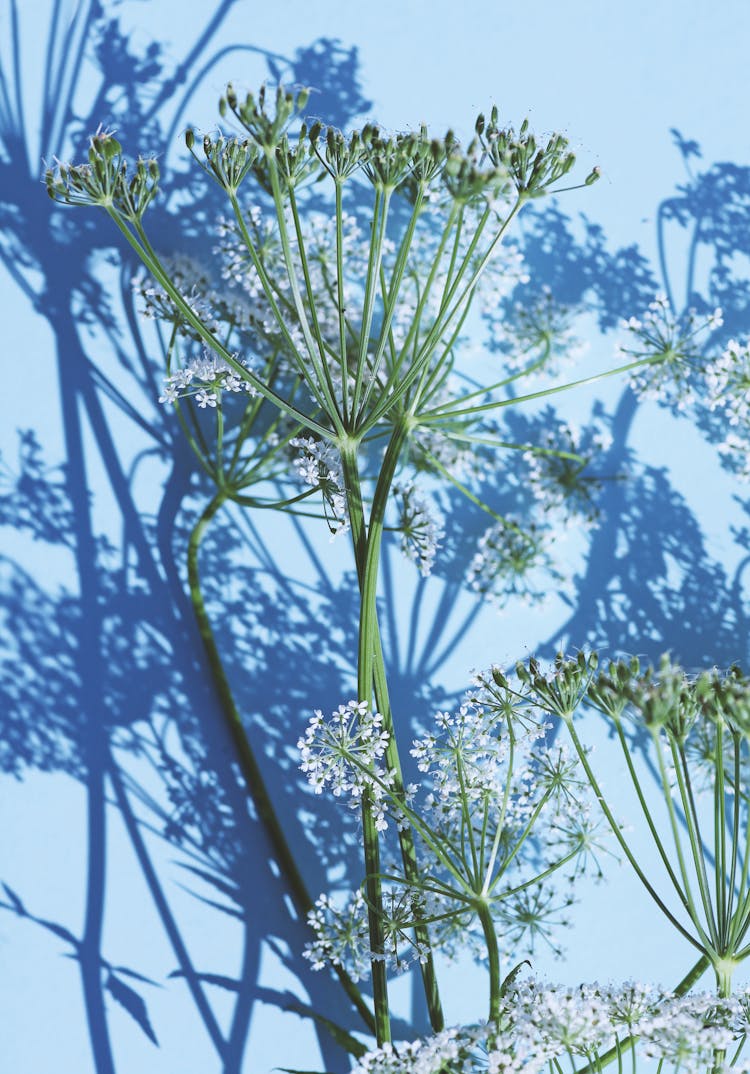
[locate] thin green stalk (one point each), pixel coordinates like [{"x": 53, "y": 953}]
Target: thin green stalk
[
  {"x": 525, "y": 372},
  {"x": 395, "y": 369},
  {"x": 501, "y": 819},
  {"x": 312, "y": 301},
  {"x": 737, "y": 745},
  {"x": 379, "y": 221},
  {"x": 615, "y": 828},
  {"x": 374, "y": 899},
  {"x": 740, "y": 920},
  {"x": 455, "y": 408},
  {"x": 318, "y": 364},
  {"x": 696, "y": 841},
  {"x": 390, "y": 298},
  {"x": 667, "y": 795},
  {"x": 467, "y": 826},
  {"x": 340, "y": 307},
  {"x": 406, "y": 838},
  {"x": 650, "y": 821},
  {"x": 150, "y": 259},
  {"x": 720, "y": 839},
  {"x": 249, "y": 767},
  {"x": 447, "y": 312}
]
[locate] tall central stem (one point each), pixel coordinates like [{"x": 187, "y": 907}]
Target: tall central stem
[{"x": 371, "y": 666}]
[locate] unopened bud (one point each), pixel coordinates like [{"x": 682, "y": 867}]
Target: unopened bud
[
  {"x": 190, "y": 135},
  {"x": 593, "y": 175}
]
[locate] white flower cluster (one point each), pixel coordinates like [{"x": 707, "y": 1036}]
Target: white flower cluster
[
  {"x": 728, "y": 393},
  {"x": 560, "y": 485},
  {"x": 420, "y": 525},
  {"x": 536, "y": 335},
  {"x": 346, "y": 752},
  {"x": 341, "y": 935},
  {"x": 461, "y": 459},
  {"x": 672, "y": 341},
  {"x": 486, "y": 768},
  {"x": 216, "y": 310},
  {"x": 547, "y": 1024},
  {"x": 318, "y": 465},
  {"x": 511, "y": 562},
  {"x": 205, "y": 378}
]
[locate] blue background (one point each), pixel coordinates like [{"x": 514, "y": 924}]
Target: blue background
[{"x": 125, "y": 840}]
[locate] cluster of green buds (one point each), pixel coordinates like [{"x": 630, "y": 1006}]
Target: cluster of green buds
[
  {"x": 697, "y": 743},
  {"x": 562, "y": 690},
  {"x": 228, "y": 160},
  {"x": 533, "y": 167},
  {"x": 104, "y": 180},
  {"x": 666, "y": 697},
  {"x": 265, "y": 124}
]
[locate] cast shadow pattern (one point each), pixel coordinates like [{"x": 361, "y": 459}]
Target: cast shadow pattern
[{"x": 113, "y": 661}]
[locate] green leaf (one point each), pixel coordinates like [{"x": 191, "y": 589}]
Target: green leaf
[{"x": 512, "y": 976}]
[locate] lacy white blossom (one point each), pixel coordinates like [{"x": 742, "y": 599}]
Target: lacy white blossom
[
  {"x": 341, "y": 935},
  {"x": 486, "y": 768},
  {"x": 536, "y": 335},
  {"x": 676, "y": 345},
  {"x": 345, "y": 752},
  {"x": 205, "y": 377},
  {"x": 420, "y": 526},
  {"x": 318, "y": 465},
  {"x": 727, "y": 382},
  {"x": 511, "y": 562},
  {"x": 565, "y": 1027},
  {"x": 558, "y": 474}
]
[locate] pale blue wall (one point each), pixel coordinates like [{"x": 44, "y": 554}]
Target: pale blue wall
[{"x": 615, "y": 77}]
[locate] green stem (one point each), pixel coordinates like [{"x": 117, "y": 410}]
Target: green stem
[
  {"x": 493, "y": 957},
  {"x": 615, "y": 828},
  {"x": 249, "y": 767},
  {"x": 150, "y": 259},
  {"x": 361, "y": 542}
]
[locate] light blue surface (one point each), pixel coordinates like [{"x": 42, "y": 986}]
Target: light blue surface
[{"x": 615, "y": 78}]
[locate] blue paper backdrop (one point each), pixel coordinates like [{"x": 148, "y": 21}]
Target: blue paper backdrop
[{"x": 144, "y": 925}]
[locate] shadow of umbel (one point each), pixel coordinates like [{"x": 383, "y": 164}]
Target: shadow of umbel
[{"x": 115, "y": 663}]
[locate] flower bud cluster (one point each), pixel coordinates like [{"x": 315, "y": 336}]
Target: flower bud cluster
[
  {"x": 666, "y": 697},
  {"x": 104, "y": 179},
  {"x": 533, "y": 167},
  {"x": 227, "y": 160},
  {"x": 265, "y": 118}
]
